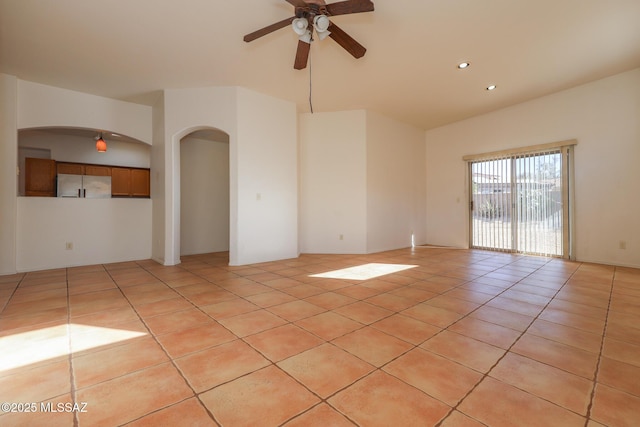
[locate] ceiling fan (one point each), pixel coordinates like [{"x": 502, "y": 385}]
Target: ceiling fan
[{"x": 313, "y": 15}]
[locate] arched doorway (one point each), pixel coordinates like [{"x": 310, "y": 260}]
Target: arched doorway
[{"x": 204, "y": 192}]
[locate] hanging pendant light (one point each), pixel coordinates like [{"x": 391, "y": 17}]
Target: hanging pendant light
[{"x": 101, "y": 145}]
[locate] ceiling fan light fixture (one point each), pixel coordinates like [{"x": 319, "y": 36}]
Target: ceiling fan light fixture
[
  {"x": 321, "y": 23},
  {"x": 314, "y": 16},
  {"x": 300, "y": 25},
  {"x": 306, "y": 37},
  {"x": 323, "y": 35}
]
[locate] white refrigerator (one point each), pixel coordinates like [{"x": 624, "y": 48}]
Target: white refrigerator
[{"x": 84, "y": 186}]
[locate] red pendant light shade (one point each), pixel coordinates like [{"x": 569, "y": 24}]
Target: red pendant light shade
[{"x": 101, "y": 146}]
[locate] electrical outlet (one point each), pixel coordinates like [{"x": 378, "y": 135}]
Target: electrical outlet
[
  {"x": 623, "y": 244},
  {"x": 69, "y": 246}
]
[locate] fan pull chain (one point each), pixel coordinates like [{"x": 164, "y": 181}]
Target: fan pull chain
[{"x": 310, "y": 85}]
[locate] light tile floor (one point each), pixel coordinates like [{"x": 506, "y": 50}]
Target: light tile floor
[{"x": 424, "y": 337}]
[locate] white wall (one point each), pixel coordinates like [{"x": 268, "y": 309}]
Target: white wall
[
  {"x": 101, "y": 231},
  {"x": 70, "y": 148},
  {"x": 396, "y": 184},
  {"x": 262, "y": 157},
  {"x": 46, "y": 106},
  {"x": 362, "y": 177},
  {"x": 604, "y": 117},
  {"x": 8, "y": 178},
  {"x": 267, "y": 179},
  {"x": 42, "y": 223},
  {"x": 158, "y": 180},
  {"x": 182, "y": 112},
  {"x": 204, "y": 196},
  {"x": 333, "y": 177}
]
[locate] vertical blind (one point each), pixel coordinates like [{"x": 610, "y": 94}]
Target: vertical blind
[{"x": 519, "y": 201}]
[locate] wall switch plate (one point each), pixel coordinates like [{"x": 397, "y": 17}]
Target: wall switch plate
[
  {"x": 68, "y": 246},
  {"x": 623, "y": 244}
]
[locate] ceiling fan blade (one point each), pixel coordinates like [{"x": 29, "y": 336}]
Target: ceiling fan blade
[
  {"x": 349, "y": 6},
  {"x": 302, "y": 55},
  {"x": 268, "y": 29},
  {"x": 346, "y": 41},
  {"x": 298, "y": 3}
]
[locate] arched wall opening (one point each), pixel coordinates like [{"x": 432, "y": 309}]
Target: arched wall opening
[
  {"x": 204, "y": 192},
  {"x": 54, "y": 232},
  {"x": 78, "y": 145},
  {"x": 174, "y": 197}
]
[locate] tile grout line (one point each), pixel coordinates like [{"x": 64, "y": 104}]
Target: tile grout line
[
  {"x": 15, "y": 289},
  {"x": 275, "y": 364},
  {"x": 322, "y": 400},
  {"x": 414, "y": 346},
  {"x": 453, "y": 408},
  {"x": 486, "y": 374},
  {"x": 394, "y": 312},
  {"x": 364, "y": 325},
  {"x": 171, "y": 360},
  {"x": 597, "y": 369},
  {"x": 72, "y": 379},
  {"x": 271, "y": 363},
  {"x": 417, "y": 346}
]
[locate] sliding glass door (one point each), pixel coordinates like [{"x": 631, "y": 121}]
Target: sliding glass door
[{"x": 519, "y": 203}]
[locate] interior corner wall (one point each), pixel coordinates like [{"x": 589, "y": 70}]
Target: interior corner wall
[
  {"x": 396, "y": 184},
  {"x": 157, "y": 181},
  {"x": 333, "y": 182},
  {"x": 603, "y": 116},
  {"x": 267, "y": 179},
  {"x": 8, "y": 178}
]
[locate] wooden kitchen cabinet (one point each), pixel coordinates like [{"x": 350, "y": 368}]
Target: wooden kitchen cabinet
[
  {"x": 40, "y": 177},
  {"x": 130, "y": 182},
  {"x": 140, "y": 183},
  {"x": 70, "y": 168},
  {"x": 83, "y": 169},
  {"x": 96, "y": 170},
  {"x": 120, "y": 182}
]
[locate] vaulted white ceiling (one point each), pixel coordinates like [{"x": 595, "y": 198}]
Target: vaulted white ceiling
[{"x": 130, "y": 49}]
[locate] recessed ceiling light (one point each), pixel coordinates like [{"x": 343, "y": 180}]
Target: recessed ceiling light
[
  {"x": 491, "y": 87},
  {"x": 463, "y": 65}
]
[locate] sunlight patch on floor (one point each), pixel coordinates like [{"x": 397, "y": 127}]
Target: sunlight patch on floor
[
  {"x": 365, "y": 271},
  {"x": 48, "y": 343}
]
